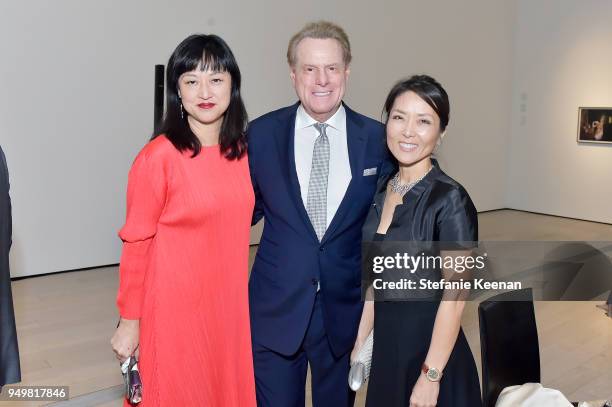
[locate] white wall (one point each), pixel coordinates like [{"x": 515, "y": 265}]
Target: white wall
[
  {"x": 563, "y": 61},
  {"x": 77, "y": 96}
]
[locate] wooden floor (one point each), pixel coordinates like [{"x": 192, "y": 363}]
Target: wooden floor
[{"x": 64, "y": 323}]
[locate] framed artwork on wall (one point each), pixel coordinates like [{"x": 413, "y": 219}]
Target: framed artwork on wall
[{"x": 595, "y": 125}]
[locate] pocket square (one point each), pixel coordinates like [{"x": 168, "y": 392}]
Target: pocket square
[{"x": 369, "y": 171}]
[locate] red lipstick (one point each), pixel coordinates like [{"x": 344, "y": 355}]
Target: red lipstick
[{"x": 206, "y": 105}]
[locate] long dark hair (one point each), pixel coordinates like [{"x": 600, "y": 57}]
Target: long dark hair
[{"x": 204, "y": 52}]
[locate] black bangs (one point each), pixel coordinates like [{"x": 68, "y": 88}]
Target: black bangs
[
  {"x": 204, "y": 53},
  {"x": 213, "y": 62}
]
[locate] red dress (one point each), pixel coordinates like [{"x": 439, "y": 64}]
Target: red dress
[{"x": 184, "y": 274}]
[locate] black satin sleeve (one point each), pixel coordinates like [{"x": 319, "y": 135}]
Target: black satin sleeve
[{"x": 458, "y": 220}]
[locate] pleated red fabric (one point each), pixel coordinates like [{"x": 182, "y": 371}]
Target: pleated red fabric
[{"x": 184, "y": 274}]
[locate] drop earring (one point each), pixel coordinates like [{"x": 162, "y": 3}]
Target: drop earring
[{"x": 181, "y": 104}]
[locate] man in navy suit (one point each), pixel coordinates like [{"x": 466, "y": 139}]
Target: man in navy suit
[{"x": 314, "y": 167}]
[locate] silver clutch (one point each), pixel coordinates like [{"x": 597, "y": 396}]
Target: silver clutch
[
  {"x": 360, "y": 367},
  {"x": 133, "y": 384}
]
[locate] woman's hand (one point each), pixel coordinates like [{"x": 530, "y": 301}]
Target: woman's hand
[
  {"x": 356, "y": 348},
  {"x": 366, "y": 324},
  {"x": 424, "y": 393},
  {"x": 125, "y": 340}
]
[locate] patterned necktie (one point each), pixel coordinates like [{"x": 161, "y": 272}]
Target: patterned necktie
[{"x": 316, "y": 202}]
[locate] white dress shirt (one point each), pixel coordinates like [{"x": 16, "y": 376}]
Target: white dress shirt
[{"x": 339, "y": 165}]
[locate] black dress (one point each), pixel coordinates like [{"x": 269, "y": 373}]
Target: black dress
[
  {"x": 9, "y": 354},
  {"x": 436, "y": 209}
]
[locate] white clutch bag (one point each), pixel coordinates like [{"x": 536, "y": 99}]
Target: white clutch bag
[
  {"x": 531, "y": 395},
  {"x": 360, "y": 367}
]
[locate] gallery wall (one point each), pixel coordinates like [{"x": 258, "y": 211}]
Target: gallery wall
[
  {"x": 563, "y": 60},
  {"x": 77, "y": 96}
]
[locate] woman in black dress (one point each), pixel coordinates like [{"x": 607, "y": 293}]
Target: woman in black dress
[{"x": 421, "y": 357}]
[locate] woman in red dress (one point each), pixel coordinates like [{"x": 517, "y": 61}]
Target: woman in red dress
[{"x": 183, "y": 296}]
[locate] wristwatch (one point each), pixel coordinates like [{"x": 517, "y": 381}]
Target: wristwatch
[{"x": 431, "y": 373}]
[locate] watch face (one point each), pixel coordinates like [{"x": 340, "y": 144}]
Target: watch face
[{"x": 433, "y": 375}]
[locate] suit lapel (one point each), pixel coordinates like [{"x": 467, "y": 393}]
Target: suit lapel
[
  {"x": 285, "y": 140},
  {"x": 357, "y": 141}
]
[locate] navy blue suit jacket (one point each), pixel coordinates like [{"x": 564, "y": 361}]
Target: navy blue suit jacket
[{"x": 290, "y": 260}]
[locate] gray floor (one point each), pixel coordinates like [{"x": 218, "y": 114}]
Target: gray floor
[{"x": 65, "y": 322}]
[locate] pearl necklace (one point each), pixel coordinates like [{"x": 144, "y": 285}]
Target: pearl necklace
[{"x": 402, "y": 189}]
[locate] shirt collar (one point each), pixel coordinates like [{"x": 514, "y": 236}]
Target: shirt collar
[{"x": 337, "y": 121}]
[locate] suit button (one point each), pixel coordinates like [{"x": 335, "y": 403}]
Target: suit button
[
  {"x": 321, "y": 249},
  {"x": 315, "y": 281}
]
